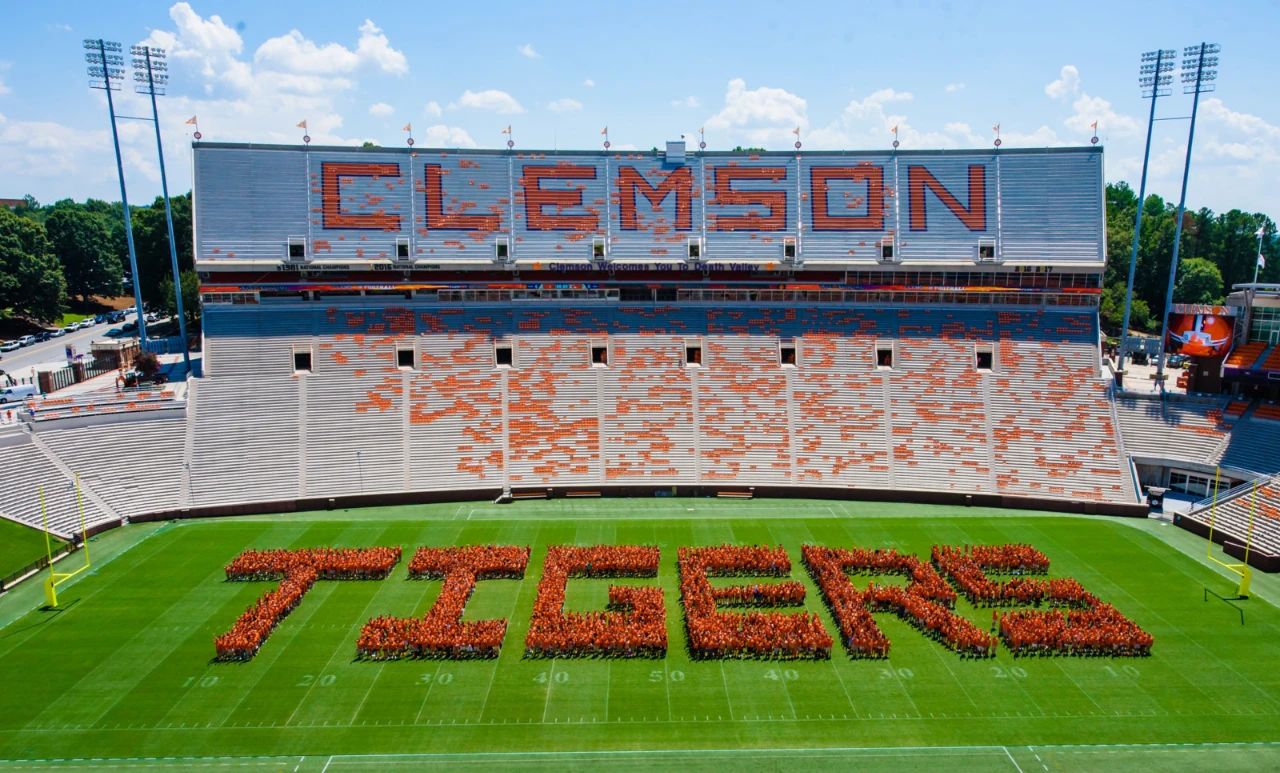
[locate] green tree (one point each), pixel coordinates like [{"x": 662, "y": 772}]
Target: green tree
[
  {"x": 151, "y": 240},
  {"x": 1112, "y": 310},
  {"x": 31, "y": 281},
  {"x": 1199, "y": 281},
  {"x": 190, "y": 299},
  {"x": 82, "y": 242}
]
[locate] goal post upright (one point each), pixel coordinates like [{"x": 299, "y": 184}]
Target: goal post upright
[{"x": 56, "y": 578}]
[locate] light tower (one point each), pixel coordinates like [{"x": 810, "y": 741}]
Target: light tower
[
  {"x": 150, "y": 75},
  {"x": 1198, "y": 74},
  {"x": 106, "y": 70},
  {"x": 1155, "y": 82}
]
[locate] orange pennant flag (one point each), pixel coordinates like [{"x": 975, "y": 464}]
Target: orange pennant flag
[
  {"x": 302, "y": 124},
  {"x": 192, "y": 120},
  {"x": 796, "y": 131},
  {"x": 507, "y": 130},
  {"x": 408, "y": 128},
  {"x": 605, "y": 130},
  {"x": 1094, "y": 126}
]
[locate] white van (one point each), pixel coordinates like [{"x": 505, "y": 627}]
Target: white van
[{"x": 17, "y": 392}]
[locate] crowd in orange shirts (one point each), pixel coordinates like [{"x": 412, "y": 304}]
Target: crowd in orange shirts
[
  {"x": 633, "y": 626},
  {"x": 716, "y": 634},
  {"x": 297, "y": 570},
  {"x": 967, "y": 567},
  {"x": 925, "y": 603},
  {"x": 1087, "y": 627},
  {"x": 1099, "y": 630},
  {"x": 441, "y": 633}
]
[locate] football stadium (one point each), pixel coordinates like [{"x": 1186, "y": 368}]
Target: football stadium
[{"x": 565, "y": 459}]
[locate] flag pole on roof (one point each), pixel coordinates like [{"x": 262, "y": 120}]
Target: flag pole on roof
[
  {"x": 511, "y": 143},
  {"x": 895, "y": 136},
  {"x": 996, "y": 129},
  {"x": 306, "y": 138},
  {"x": 605, "y": 132},
  {"x": 193, "y": 121},
  {"x": 409, "y": 129},
  {"x": 702, "y": 138},
  {"x": 1094, "y": 139}
]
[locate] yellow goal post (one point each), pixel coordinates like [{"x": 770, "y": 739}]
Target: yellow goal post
[
  {"x": 55, "y": 577},
  {"x": 1242, "y": 569}
]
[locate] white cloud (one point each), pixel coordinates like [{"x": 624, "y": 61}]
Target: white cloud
[
  {"x": 564, "y": 105},
  {"x": 294, "y": 53},
  {"x": 759, "y": 116},
  {"x": 489, "y": 99},
  {"x": 953, "y": 88},
  {"x": 1067, "y": 84},
  {"x": 589, "y": 83},
  {"x": 1088, "y": 108},
  {"x": 441, "y": 136},
  {"x": 689, "y": 102},
  {"x": 433, "y": 109},
  {"x": 376, "y": 49},
  {"x": 528, "y": 52},
  {"x": 381, "y": 109}
]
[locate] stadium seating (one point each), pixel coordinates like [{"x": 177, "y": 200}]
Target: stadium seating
[
  {"x": 29, "y": 469},
  {"x": 397, "y": 399},
  {"x": 1204, "y": 431},
  {"x": 1231, "y": 515},
  {"x": 1245, "y": 355},
  {"x": 134, "y": 463}
]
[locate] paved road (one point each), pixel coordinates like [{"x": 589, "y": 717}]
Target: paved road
[{"x": 21, "y": 363}]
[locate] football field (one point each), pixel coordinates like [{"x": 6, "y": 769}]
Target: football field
[{"x": 123, "y": 677}]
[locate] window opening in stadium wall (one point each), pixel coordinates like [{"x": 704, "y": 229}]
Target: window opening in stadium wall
[
  {"x": 502, "y": 248},
  {"x": 301, "y": 360},
  {"x": 404, "y": 359},
  {"x": 884, "y": 355},
  {"x": 787, "y": 354},
  {"x": 1191, "y": 484},
  {"x": 693, "y": 354},
  {"x": 985, "y": 356},
  {"x": 600, "y": 355},
  {"x": 502, "y": 354}
]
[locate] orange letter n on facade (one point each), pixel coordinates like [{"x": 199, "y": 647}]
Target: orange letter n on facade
[{"x": 973, "y": 216}]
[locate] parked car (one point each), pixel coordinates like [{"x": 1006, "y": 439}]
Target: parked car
[
  {"x": 43, "y": 335},
  {"x": 9, "y": 346},
  {"x": 115, "y": 332},
  {"x": 116, "y": 316},
  {"x": 58, "y": 333},
  {"x": 129, "y": 327},
  {"x": 17, "y": 392},
  {"x": 26, "y": 340},
  {"x": 98, "y": 319},
  {"x": 87, "y": 322},
  {"x": 152, "y": 316},
  {"x": 73, "y": 327}
]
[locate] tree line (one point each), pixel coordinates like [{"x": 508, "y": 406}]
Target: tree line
[
  {"x": 1218, "y": 250},
  {"x": 54, "y": 254}
]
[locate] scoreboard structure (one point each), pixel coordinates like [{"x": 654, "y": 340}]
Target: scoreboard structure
[{"x": 270, "y": 208}]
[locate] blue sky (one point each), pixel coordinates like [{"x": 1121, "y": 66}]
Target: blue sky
[{"x": 749, "y": 73}]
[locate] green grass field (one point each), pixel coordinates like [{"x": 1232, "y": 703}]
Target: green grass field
[
  {"x": 20, "y": 546},
  {"x": 124, "y": 671}
]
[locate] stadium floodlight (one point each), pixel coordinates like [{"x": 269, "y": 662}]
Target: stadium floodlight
[
  {"x": 151, "y": 74},
  {"x": 1197, "y": 78},
  {"x": 1155, "y": 81},
  {"x": 106, "y": 71}
]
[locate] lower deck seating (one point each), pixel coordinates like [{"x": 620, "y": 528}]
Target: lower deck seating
[
  {"x": 29, "y": 476},
  {"x": 1247, "y": 515}
]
